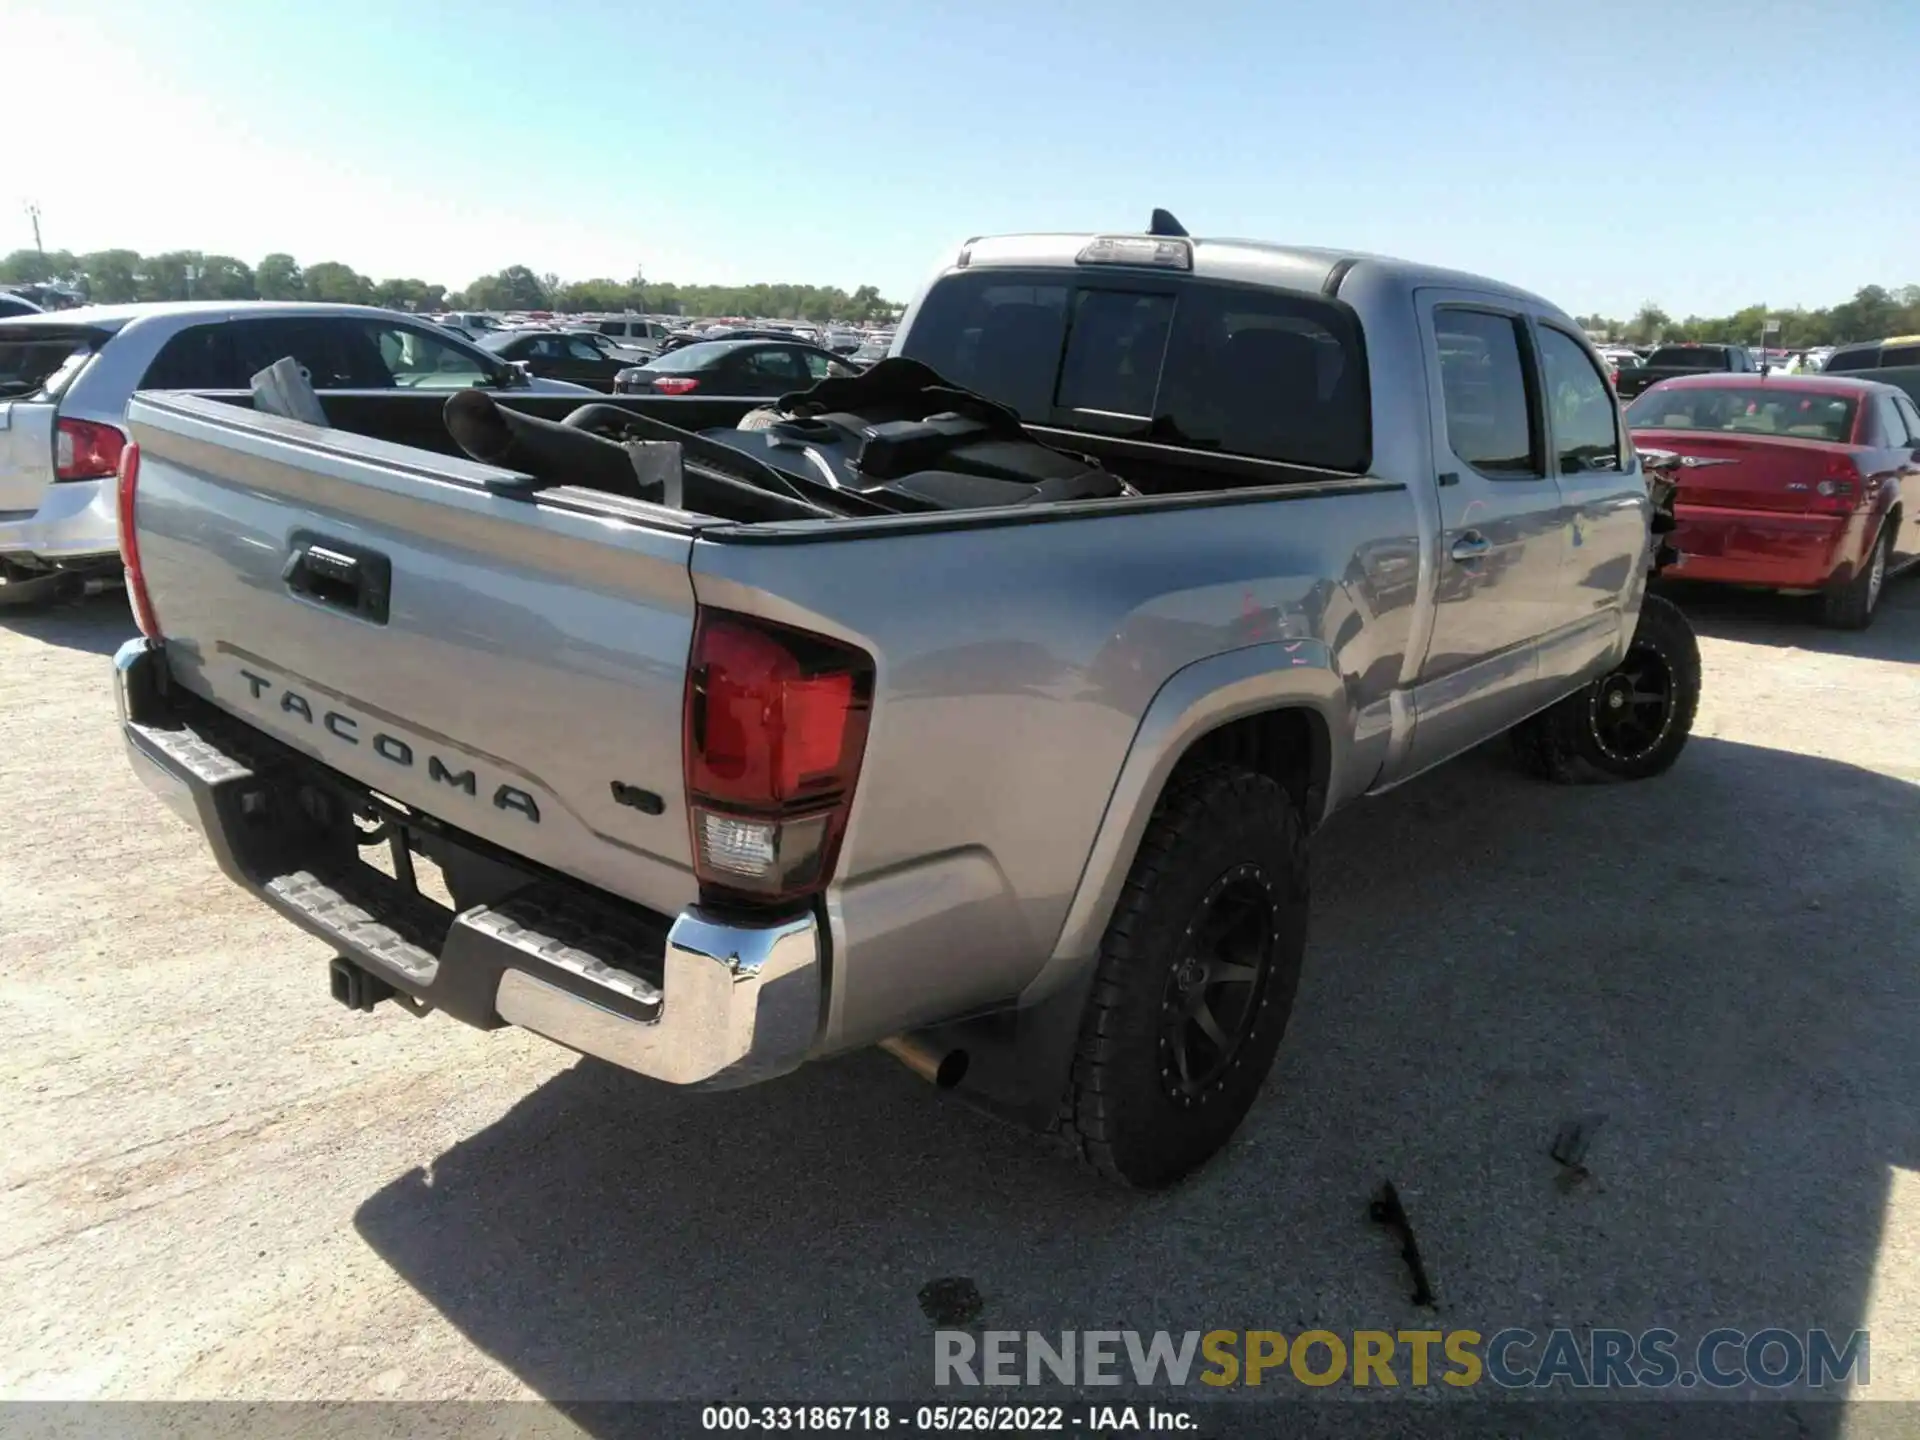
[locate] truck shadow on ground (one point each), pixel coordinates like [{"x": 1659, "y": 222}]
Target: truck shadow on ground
[
  {"x": 100, "y": 624},
  {"x": 1793, "y": 621},
  {"x": 1710, "y": 960}
]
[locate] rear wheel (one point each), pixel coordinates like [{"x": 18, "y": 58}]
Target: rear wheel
[
  {"x": 1631, "y": 723},
  {"x": 1195, "y": 980},
  {"x": 1850, "y": 606}
]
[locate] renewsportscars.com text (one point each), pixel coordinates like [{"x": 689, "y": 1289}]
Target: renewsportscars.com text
[{"x": 1512, "y": 1359}]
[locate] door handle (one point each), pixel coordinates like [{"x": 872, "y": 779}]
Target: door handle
[
  {"x": 344, "y": 577},
  {"x": 1471, "y": 546}
]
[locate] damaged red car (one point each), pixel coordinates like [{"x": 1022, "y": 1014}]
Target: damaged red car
[{"x": 1807, "y": 484}]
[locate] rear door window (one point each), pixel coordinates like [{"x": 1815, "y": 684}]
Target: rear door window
[
  {"x": 776, "y": 366},
  {"x": 1892, "y": 355},
  {"x": 1483, "y": 379},
  {"x": 820, "y": 366},
  {"x": 1910, "y": 414},
  {"x": 1893, "y": 425},
  {"x": 336, "y": 354},
  {"x": 201, "y": 357}
]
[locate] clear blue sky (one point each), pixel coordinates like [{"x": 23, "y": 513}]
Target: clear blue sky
[{"x": 1703, "y": 153}]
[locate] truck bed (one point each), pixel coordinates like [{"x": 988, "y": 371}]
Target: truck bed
[{"x": 528, "y": 667}]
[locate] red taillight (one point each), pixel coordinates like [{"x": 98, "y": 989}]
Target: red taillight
[
  {"x": 84, "y": 450},
  {"x": 129, "y": 485},
  {"x": 675, "y": 384},
  {"x": 1840, "y": 488},
  {"x": 775, "y": 726}
]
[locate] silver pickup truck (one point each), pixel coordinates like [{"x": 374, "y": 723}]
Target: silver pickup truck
[{"x": 1022, "y": 793}]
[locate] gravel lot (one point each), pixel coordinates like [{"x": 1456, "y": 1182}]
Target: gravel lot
[{"x": 218, "y": 1183}]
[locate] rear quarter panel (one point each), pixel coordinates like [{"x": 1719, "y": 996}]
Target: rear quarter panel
[{"x": 1014, "y": 664}]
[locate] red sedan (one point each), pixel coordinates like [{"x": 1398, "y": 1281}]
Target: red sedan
[{"x": 1801, "y": 483}]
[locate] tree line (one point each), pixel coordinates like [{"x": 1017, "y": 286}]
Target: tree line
[
  {"x": 117, "y": 276},
  {"x": 113, "y": 276},
  {"x": 1873, "y": 313}
]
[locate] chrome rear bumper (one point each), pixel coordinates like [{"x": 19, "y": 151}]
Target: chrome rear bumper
[{"x": 704, "y": 1000}]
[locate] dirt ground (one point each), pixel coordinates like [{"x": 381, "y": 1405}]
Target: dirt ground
[{"x": 215, "y": 1182}]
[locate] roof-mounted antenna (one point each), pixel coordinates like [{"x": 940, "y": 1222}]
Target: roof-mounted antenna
[{"x": 1163, "y": 223}]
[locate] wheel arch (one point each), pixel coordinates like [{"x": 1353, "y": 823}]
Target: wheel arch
[{"x": 1279, "y": 709}]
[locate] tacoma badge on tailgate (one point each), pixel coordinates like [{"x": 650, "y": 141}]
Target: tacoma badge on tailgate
[{"x": 346, "y": 730}]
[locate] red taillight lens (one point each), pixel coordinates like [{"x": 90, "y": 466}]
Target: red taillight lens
[
  {"x": 129, "y": 485},
  {"x": 1840, "y": 488},
  {"x": 83, "y": 450},
  {"x": 675, "y": 384},
  {"x": 776, "y": 726}
]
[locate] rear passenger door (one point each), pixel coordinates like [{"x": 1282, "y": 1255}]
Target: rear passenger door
[
  {"x": 1498, "y": 588},
  {"x": 1603, "y": 509}
]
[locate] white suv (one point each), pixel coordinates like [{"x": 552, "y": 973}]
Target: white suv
[{"x": 66, "y": 377}]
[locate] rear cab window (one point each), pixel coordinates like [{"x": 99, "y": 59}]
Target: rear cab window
[{"x": 1207, "y": 365}]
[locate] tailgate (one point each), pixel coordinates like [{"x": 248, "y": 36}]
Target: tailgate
[{"x": 502, "y": 664}]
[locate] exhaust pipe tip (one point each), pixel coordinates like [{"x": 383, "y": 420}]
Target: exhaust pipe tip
[{"x": 939, "y": 1067}]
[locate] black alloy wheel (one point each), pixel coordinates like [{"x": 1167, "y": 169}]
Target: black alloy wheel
[
  {"x": 1631, "y": 709},
  {"x": 1217, "y": 986}
]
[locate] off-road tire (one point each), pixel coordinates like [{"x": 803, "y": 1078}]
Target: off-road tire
[
  {"x": 1217, "y": 831},
  {"x": 1853, "y": 604},
  {"x": 1570, "y": 744}
]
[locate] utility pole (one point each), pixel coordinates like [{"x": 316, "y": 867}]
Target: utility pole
[{"x": 33, "y": 214}]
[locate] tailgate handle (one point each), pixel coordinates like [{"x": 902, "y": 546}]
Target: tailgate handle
[{"x": 350, "y": 578}]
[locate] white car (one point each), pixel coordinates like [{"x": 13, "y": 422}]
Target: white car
[{"x": 66, "y": 377}]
